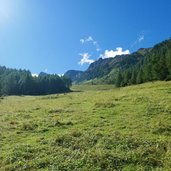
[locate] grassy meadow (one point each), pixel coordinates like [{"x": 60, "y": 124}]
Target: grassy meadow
[{"x": 94, "y": 128}]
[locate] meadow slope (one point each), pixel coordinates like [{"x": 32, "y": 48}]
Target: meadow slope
[{"x": 94, "y": 128}]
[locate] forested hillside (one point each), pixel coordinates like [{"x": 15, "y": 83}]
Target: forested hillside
[
  {"x": 74, "y": 75},
  {"x": 21, "y": 82},
  {"x": 146, "y": 64},
  {"x": 156, "y": 65},
  {"x": 102, "y": 68}
]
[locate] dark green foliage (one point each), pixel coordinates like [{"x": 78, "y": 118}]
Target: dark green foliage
[
  {"x": 146, "y": 64},
  {"x": 104, "y": 71},
  {"x": 133, "y": 76},
  {"x": 156, "y": 65},
  {"x": 119, "y": 80},
  {"x": 74, "y": 75},
  {"x": 139, "y": 78},
  {"x": 21, "y": 82}
]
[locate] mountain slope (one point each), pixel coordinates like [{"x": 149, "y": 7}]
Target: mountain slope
[
  {"x": 147, "y": 59},
  {"x": 74, "y": 75},
  {"x": 103, "y": 67},
  {"x": 95, "y": 128},
  {"x": 156, "y": 65}
]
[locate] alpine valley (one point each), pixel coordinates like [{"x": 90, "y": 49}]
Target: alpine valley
[{"x": 146, "y": 64}]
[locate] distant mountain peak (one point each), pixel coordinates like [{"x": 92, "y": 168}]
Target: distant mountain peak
[
  {"x": 144, "y": 51},
  {"x": 43, "y": 74},
  {"x": 73, "y": 74},
  {"x": 107, "y": 68}
]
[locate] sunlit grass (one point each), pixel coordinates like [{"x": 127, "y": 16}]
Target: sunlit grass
[{"x": 92, "y": 128}]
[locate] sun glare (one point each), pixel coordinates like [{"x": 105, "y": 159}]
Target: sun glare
[{"x": 5, "y": 11}]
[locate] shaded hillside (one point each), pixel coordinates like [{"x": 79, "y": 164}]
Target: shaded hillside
[
  {"x": 144, "y": 51},
  {"x": 102, "y": 68},
  {"x": 43, "y": 74},
  {"x": 74, "y": 75},
  {"x": 156, "y": 65},
  {"x": 146, "y": 64}
]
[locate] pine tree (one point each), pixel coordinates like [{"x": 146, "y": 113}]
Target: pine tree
[
  {"x": 163, "y": 70},
  {"x": 119, "y": 79},
  {"x": 139, "y": 78},
  {"x": 133, "y": 76}
]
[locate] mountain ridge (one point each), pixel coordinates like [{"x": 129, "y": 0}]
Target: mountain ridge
[{"x": 106, "y": 70}]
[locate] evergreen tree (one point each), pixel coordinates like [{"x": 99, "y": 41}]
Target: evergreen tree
[
  {"x": 21, "y": 82},
  {"x": 119, "y": 79},
  {"x": 156, "y": 65},
  {"x": 139, "y": 78},
  {"x": 133, "y": 76},
  {"x": 163, "y": 70}
]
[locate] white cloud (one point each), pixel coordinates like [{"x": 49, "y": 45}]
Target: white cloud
[
  {"x": 95, "y": 43},
  {"x": 34, "y": 75},
  {"x": 82, "y": 41},
  {"x": 113, "y": 53},
  {"x": 60, "y": 75},
  {"x": 85, "y": 59},
  {"x": 46, "y": 70},
  {"x": 141, "y": 38},
  {"x": 88, "y": 39},
  {"x": 92, "y": 41},
  {"x": 98, "y": 49}
]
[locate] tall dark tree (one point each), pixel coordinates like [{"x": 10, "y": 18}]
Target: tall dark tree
[
  {"x": 156, "y": 65},
  {"x": 119, "y": 79},
  {"x": 139, "y": 78},
  {"x": 133, "y": 76},
  {"x": 21, "y": 82}
]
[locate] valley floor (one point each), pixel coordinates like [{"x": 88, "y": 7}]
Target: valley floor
[{"x": 94, "y": 128}]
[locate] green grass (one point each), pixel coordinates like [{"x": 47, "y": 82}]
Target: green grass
[{"x": 95, "y": 128}]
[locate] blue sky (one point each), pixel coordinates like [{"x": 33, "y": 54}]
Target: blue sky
[{"x": 58, "y": 35}]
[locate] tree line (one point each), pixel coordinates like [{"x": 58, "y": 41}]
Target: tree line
[
  {"x": 156, "y": 65},
  {"x": 21, "y": 82}
]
